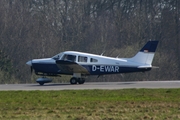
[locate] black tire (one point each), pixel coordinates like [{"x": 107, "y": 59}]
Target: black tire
[
  {"x": 73, "y": 80},
  {"x": 41, "y": 83},
  {"x": 81, "y": 81}
]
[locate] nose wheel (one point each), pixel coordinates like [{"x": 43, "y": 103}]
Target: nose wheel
[
  {"x": 43, "y": 80},
  {"x": 41, "y": 83}
]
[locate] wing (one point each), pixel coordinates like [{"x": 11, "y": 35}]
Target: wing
[{"x": 70, "y": 67}]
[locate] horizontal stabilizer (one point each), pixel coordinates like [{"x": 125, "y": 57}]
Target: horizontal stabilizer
[
  {"x": 144, "y": 66},
  {"x": 155, "y": 67}
]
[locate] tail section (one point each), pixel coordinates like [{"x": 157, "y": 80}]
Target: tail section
[{"x": 146, "y": 54}]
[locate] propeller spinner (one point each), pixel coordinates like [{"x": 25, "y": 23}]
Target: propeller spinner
[{"x": 30, "y": 64}]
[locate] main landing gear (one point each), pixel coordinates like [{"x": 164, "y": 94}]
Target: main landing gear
[{"x": 75, "y": 80}]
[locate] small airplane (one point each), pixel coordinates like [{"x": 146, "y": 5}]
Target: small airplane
[{"x": 80, "y": 65}]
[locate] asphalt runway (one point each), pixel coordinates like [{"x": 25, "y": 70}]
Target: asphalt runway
[{"x": 92, "y": 85}]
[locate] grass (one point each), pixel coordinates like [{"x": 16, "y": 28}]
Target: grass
[{"x": 125, "y": 104}]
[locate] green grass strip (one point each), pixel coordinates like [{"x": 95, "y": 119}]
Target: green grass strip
[{"x": 125, "y": 104}]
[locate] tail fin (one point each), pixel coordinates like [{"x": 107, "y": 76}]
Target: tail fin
[{"x": 146, "y": 54}]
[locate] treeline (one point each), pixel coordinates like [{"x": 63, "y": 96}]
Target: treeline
[{"x": 42, "y": 28}]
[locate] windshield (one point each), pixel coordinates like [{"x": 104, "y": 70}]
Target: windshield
[{"x": 58, "y": 56}]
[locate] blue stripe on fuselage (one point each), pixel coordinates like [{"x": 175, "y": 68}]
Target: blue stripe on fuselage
[{"x": 93, "y": 69}]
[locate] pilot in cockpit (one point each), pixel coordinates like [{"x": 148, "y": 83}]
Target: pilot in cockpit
[{"x": 70, "y": 58}]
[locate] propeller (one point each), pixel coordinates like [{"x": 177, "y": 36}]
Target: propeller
[
  {"x": 31, "y": 70},
  {"x": 30, "y": 64}
]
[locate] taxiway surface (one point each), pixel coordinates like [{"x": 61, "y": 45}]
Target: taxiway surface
[{"x": 93, "y": 85}]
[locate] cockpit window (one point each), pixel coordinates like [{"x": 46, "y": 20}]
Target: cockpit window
[
  {"x": 69, "y": 57},
  {"x": 58, "y": 56},
  {"x": 93, "y": 60}
]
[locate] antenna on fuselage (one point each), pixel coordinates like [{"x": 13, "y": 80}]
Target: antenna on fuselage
[
  {"x": 117, "y": 56},
  {"x": 103, "y": 53}
]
